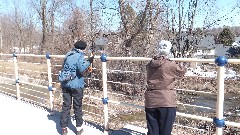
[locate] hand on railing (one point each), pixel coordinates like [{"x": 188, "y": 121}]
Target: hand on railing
[{"x": 90, "y": 59}]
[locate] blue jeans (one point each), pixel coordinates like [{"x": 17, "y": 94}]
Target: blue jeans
[
  {"x": 160, "y": 120},
  {"x": 69, "y": 95}
]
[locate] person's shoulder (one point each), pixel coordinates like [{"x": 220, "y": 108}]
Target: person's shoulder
[
  {"x": 72, "y": 55},
  {"x": 76, "y": 53},
  {"x": 68, "y": 53},
  {"x": 79, "y": 56}
]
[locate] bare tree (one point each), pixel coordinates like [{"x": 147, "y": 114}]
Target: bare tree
[
  {"x": 55, "y": 5},
  {"x": 42, "y": 14},
  {"x": 126, "y": 21},
  {"x": 181, "y": 29},
  {"x": 140, "y": 29},
  {"x": 50, "y": 11},
  {"x": 1, "y": 42},
  {"x": 41, "y": 9}
]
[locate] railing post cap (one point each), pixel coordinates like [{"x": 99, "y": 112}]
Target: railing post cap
[
  {"x": 48, "y": 55},
  {"x": 105, "y": 100},
  {"x": 14, "y": 54},
  {"x": 221, "y": 61},
  {"x": 103, "y": 57},
  {"x": 219, "y": 122},
  {"x": 50, "y": 88},
  {"x": 17, "y": 80}
]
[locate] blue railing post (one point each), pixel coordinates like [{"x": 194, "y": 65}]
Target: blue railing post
[
  {"x": 221, "y": 61},
  {"x": 105, "y": 97},
  {"x": 50, "y": 87},
  {"x": 16, "y": 75}
]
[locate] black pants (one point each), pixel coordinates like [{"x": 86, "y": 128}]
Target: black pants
[
  {"x": 68, "y": 95},
  {"x": 160, "y": 120}
]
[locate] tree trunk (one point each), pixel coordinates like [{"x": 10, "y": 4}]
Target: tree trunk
[{"x": 44, "y": 26}]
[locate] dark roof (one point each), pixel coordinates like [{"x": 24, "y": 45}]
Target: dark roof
[{"x": 207, "y": 42}]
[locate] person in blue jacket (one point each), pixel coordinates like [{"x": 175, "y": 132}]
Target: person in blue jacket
[{"x": 72, "y": 82}]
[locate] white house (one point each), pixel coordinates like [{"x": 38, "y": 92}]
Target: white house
[
  {"x": 207, "y": 47},
  {"x": 236, "y": 43},
  {"x": 205, "y": 52},
  {"x": 20, "y": 50}
]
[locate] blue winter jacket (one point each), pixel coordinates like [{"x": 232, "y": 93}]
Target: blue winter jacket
[{"x": 75, "y": 64}]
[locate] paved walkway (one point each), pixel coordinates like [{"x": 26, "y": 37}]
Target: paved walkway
[{"x": 19, "y": 118}]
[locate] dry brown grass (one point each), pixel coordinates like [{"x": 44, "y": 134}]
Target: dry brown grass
[{"x": 9, "y": 66}]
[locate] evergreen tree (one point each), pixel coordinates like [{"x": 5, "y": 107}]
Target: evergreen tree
[
  {"x": 226, "y": 37},
  {"x": 234, "y": 51}
]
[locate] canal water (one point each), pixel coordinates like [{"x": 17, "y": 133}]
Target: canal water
[{"x": 207, "y": 104}]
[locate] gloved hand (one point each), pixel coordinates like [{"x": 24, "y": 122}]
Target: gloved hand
[
  {"x": 90, "y": 59},
  {"x": 183, "y": 64}
]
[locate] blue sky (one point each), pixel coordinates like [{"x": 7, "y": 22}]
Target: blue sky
[
  {"x": 224, "y": 8},
  {"x": 225, "y": 14}
]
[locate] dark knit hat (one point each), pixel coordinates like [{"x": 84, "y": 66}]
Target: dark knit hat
[{"x": 80, "y": 45}]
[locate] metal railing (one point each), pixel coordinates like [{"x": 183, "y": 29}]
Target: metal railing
[{"x": 219, "y": 61}]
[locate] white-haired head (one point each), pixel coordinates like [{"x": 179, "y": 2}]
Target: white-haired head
[{"x": 164, "y": 47}]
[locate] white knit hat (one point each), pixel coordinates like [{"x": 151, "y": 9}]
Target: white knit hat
[{"x": 164, "y": 47}]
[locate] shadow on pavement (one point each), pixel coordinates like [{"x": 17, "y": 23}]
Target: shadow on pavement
[
  {"x": 125, "y": 131},
  {"x": 56, "y": 118}
]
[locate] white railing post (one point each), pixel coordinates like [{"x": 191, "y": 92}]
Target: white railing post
[
  {"x": 218, "y": 120},
  {"x": 16, "y": 75},
  {"x": 50, "y": 89},
  {"x": 105, "y": 97}
]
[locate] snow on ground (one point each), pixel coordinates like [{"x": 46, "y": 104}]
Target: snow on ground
[
  {"x": 21, "y": 118},
  {"x": 229, "y": 73}
]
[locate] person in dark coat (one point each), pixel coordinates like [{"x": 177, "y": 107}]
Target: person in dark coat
[
  {"x": 72, "y": 82},
  {"x": 160, "y": 96}
]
